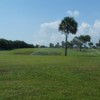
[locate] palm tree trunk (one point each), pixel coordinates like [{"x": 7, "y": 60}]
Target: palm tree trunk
[{"x": 66, "y": 45}]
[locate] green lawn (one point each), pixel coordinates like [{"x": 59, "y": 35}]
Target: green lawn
[{"x": 26, "y": 76}]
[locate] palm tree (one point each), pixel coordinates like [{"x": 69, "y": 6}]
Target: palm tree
[{"x": 68, "y": 25}]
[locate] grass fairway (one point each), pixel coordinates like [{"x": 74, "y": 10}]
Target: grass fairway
[{"x": 25, "y": 76}]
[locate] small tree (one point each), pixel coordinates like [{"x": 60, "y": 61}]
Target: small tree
[
  {"x": 57, "y": 45},
  {"x": 78, "y": 42},
  {"x": 51, "y": 45},
  {"x": 98, "y": 45},
  {"x": 81, "y": 40},
  {"x": 90, "y": 44},
  {"x": 63, "y": 44},
  {"x": 85, "y": 39},
  {"x": 68, "y": 25}
]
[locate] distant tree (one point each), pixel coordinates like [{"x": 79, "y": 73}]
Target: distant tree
[
  {"x": 30, "y": 46},
  {"x": 81, "y": 40},
  {"x": 42, "y": 46},
  {"x": 85, "y": 38},
  {"x": 76, "y": 41},
  {"x": 57, "y": 45},
  {"x": 20, "y": 44},
  {"x": 98, "y": 45},
  {"x": 68, "y": 25},
  {"x": 37, "y": 46},
  {"x": 8, "y": 44},
  {"x": 90, "y": 44},
  {"x": 71, "y": 44},
  {"x": 63, "y": 44},
  {"x": 51, "y": 45},
  {"x": 3, "y": 44}
]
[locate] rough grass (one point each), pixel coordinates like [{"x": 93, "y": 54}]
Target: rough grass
[{"x": 29, "y": 77}]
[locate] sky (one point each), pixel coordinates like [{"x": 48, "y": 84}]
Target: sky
[{"x": 37, "y": 21}]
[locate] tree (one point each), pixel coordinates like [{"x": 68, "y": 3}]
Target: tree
[
  {"x": 37, "y": 46},
  {"x": 68, "y": 25},
  {"x": 42, "y": 46},
  {"x": 98, "y": 45},
  {"x": 72, "y": 44},
  {"x": 9, "y": 45},
  {"x": 81, "y": 40},
  {"x": 3, "y": 44},
  {"x": 51, "y": 45},
  {"x": 63, "y": 44},
  {"x": 57, "y": 45},
  {"x": 78, "y": 42},
  {"x": 90, "y": 44},
  {"x": 85, "y": 38}
]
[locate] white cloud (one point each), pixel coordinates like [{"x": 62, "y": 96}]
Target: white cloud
[
  {"x": 48, "y": 32},
  {"x": 73, "y": 13},
  {"x": 50, "y": 25},
  {"x": 39, "y": 42},
  {"x": 84, "y": 28},
  {"x": 92, "y": 30},
  {"x": 96, "y": 26}
]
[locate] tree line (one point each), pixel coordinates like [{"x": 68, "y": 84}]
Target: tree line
[
  {"x": 82, "y": 41},
  {"x": 9, "y": 44},
  {"x": 77, "y": 42}
]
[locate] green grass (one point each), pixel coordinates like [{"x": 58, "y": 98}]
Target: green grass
[{"x": 25, "y": 76}]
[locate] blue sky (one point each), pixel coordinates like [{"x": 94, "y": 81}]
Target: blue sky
[{"x": 36, "y": 21}]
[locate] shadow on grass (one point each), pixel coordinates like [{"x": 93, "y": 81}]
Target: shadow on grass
[{"x": 48, "y": 53}]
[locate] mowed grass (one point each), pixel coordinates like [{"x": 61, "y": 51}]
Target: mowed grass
[{"x": 25, "y": 76}]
